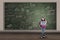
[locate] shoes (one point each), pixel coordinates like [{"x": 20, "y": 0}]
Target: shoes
[{"x": 43, "y": 36}]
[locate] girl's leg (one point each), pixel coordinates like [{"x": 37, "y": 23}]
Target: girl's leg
[{"x": 43, "y": 31}]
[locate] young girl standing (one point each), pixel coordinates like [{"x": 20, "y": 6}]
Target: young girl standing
[{"x": 43, "y": 24}]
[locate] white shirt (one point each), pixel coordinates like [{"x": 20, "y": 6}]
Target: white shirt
[{"x": 43, "y": 22}]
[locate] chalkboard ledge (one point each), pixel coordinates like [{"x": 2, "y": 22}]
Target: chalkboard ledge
[{"x": 28, "y": 31}]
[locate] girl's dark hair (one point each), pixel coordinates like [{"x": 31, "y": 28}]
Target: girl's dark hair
[{"x": 43, "y": 20}]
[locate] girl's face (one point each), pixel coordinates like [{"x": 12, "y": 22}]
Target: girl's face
[{"x": 43, "y": 19}]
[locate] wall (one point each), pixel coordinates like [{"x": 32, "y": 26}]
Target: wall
[{"x": 2, "y": 11}]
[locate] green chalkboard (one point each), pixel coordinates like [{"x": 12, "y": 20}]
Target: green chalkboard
[{"x": 26, "y": 15}]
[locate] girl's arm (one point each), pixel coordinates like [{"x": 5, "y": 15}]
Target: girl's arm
[{"x": 46, "y": 22}]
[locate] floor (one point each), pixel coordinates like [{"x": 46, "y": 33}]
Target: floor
[{"x": 27, "y": 36}]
